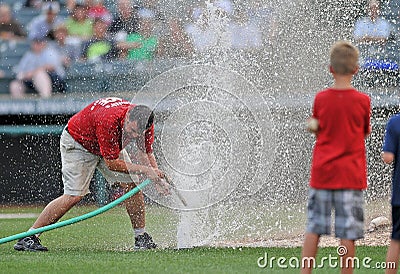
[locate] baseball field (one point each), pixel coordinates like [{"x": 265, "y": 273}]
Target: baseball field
[{"x": 103, "y": 244}]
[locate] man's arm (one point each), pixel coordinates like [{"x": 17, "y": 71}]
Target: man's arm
[
  {"x": 152, "y": 160},
  {"x": 126, "y": 167}
]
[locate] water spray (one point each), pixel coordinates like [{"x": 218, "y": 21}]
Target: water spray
[{"x": 78, "y": 218}]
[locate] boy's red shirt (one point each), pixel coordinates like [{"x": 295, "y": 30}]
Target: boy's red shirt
[{"x": 339, "y": 156}]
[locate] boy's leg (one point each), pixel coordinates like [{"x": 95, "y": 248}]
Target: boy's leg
[
  {"x": 349, "y": 214},
  {"x": 392, "y": 257},
  {"x": 319, "y": 210},
  {"x": 347, "y": 259},
  {"x": 349, "y": 224},
  {"x": 309, "y": 252}
]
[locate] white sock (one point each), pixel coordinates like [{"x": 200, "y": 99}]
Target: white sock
[
  {"x": 37, "y": 234},
  {"x": 139, "y": 231}
]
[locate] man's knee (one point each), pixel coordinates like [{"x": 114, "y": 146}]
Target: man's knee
[{"x": 71, "y": 200}]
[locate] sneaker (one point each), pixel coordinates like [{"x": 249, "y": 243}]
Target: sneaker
[
  {"x": 31, "y": 243},
  {"x": 144, "y": 241}
]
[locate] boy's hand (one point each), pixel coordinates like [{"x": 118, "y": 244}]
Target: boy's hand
[{"x": 312, "y": 125}]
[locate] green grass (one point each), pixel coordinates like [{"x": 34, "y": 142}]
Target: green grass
[{"x": 103, "y": 245}]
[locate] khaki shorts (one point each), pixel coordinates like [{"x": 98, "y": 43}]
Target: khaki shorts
[{"x": 79, "y": 165}]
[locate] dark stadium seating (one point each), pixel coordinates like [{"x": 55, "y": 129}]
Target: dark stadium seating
[{"x": 115, "y": 76}]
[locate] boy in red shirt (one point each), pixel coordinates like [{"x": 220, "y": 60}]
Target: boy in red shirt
[
  {"x": 94, "y": 139},
  {"x": 341, "y": 122}
]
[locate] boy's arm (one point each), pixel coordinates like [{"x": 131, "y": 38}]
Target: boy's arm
[
  {"x": 312, "y": 125},
  {"x": 368, "y": 131},
  {"x": 390, "y": 143},
  {"x": 387, "y": 157}
]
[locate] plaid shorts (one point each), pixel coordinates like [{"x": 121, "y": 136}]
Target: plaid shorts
[{"x": 349, "y": 212}]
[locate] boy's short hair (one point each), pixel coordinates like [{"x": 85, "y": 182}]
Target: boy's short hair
[{"x": 344, "y": 58}]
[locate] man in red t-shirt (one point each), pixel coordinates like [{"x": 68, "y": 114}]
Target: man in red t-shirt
[
  {"x": 94, "y": 138},
  {"x": 341, "y": 121}
]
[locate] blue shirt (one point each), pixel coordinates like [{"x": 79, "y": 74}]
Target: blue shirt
[
  {"x": 40, "y": 28},
  {"x": 391, "y": 144},
  {"x": 49, "y": 56}
]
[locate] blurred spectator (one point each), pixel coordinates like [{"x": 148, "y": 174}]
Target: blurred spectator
[
  {"x": 78, "y": 24},
  {"x": 100, "y": 47},
  {"x": 40, "y": 69},
  {"x": 36, "y": 4},
  {"x": 97, "y": 10},
  {"x": 245, "y": 34},
  {"x": 10, "y": 29},
  {"x": 210, "y": 27},
  {"x": 154, "y": 9},
  {"x": 151, "y": 8},
  {"x": 126, "y": 21},
  {"x": 264, "y": 15},
  {"x": 175, "y": 43},
  {"x": 373, "y": 28},
  {"x": 69, "y": 52},
  {"x": 70, "y": 4},
  {"x": 146, "y": 40},
  {"x": 225, "y": 7},
  {"x": 378, "y": 49},
  {"x": 42, "y": 25}
]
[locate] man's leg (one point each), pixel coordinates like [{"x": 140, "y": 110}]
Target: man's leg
[
  {"x": 50, "y": 214},
  {"x": 136, "y": 210},
  {"x": 55, "y": 210},
  {"x": 135, "y": 207}
]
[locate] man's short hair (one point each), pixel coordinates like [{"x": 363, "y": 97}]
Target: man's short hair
[
  {"x": 344, "y": 58},
  {"x": 143, "y": 115}
]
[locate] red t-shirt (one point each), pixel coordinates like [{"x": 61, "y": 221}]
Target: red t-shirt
[
  {"x": 98, "y": 128},
  {"x": 339, "y": 157}
]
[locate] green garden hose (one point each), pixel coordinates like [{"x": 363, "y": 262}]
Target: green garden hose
[{"x": 78, "y": 218}]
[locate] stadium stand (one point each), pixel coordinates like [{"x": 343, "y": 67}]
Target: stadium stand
[
  {"x": 10, "y": 53},
  {"x": 87, "y": 77}
]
